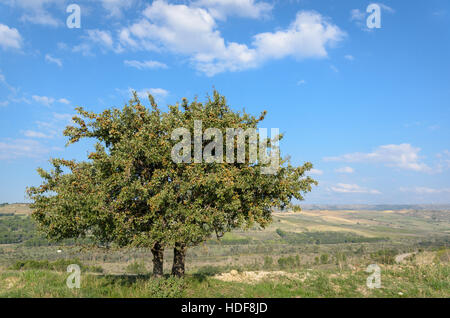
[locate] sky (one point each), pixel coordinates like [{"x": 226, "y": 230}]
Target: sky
[{"x": 369, "y": 107}]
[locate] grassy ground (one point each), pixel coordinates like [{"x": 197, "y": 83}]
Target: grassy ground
[
  {"x": 316, "y": 253},
  {"x": 397, "y": 281}
]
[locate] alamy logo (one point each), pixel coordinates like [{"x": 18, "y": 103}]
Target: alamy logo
[
  {"x": 74, "y": 19},
  {"x": 374, "y": 19},
  {"x": 374, "y": 280},
  {"x": 213, "y": 151},
  {"x": 74, "y": 279}
]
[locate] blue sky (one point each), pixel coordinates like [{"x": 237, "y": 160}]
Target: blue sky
[{"x": 370, "y": 108}]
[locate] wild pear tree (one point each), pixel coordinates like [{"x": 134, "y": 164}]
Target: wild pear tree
[{"x": 165, "y": 179}]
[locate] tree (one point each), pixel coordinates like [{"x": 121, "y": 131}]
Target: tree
[{"x": 142, "y": 186}]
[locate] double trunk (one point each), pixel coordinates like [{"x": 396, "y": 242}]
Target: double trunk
[{"x": 179, "y": 257}]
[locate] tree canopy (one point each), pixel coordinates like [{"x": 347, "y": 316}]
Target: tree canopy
[{"x": 131, "y": 191}]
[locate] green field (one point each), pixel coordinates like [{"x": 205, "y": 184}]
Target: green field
[{"x": 313, "y": 253}]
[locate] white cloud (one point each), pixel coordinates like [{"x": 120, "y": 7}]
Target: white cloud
[
  {"x": 301, "y": 82},
  {"x": 97, "y": 37},
  {"x": 48, "y": 101},
  {"x": 10, "y": 37},
  {"x": 145, "y": 64},
  {"x": 192, "y": 31},
  {"x": 35, "y": 134},
  {"x": 40, "y": 17},
  {"x": 50, "y": 128},
  {"x": 44, "y": 100},
  {"x": 316, "y": 172},
  {"x": 63, "y": 101},
  {"x": 21, "y": 148},
  {"x": 54, "y": 60},
  {"x": 4, "y": 103},
  {"x": 426, "y": 190},
  {"x": 157, "y": 93},
  {"x": 116, "y": 7},
  {"x": 220, "y": 9},
  {"x": 403, "y": 156},
  {"x": 345, "y": 170},
  {"x": 102, "y": 37},
  {"x": 36, "y": 11},
  {"x": 307, "y": 37},
  {"x": 352, "y": 188}
]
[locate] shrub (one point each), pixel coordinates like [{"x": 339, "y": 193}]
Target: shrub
[
  {"x": 209, "y": 270},
  {"x": 289, "y": 262},
  {"x": 324, "y": 258}
]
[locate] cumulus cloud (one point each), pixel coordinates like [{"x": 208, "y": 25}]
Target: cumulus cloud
[
  {"x": 53, "y": 60},
  {"x": 352, "y": 188},
  {"x": 192, "y": 31},
  {"x": 101, "y": 38},
  {"x": 221, "y": 9},
  {"x": 145, "y": 64},
  {"x": 10, "y": 38},
  {"x": 403, "y": 156},
  {"x": 345, "y": 170}
]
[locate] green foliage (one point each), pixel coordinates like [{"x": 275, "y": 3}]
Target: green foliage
[
  {"x": 16, "y": 229},
  {"x": 289, "y": 262},
  {"x": 209, "y": 270},
  {"x": 131, "y": 193},
  {"x": 22, "y": 229}
]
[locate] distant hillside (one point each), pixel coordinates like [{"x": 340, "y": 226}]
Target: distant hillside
[
  {"x": 377, "y": 207},
  {"x": 15, "y": 208}
]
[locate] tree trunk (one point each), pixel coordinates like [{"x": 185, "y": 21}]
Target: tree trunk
[
  {"x": 158, "y": 260},
  {"x": 179, "y": 256}
]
